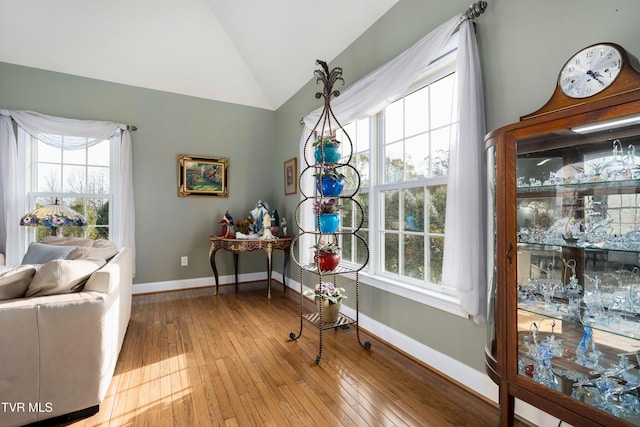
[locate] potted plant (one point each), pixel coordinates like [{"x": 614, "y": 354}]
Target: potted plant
[
  {"x": 328, "y": 299},
  {"x": 327, "y": 149},
  {"x": 328, "y": 215},
  {"x": 326, "y": 255},
  {"x": 330, "y": 180}
]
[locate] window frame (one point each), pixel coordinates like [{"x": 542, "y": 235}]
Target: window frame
[
  {"x": 31, "y": 161},
  {"x": 437, "y": 296}
]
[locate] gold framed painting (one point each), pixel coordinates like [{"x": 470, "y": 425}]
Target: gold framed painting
[
  {"x": 290, "y": 176},
  {"x": 203, "y": 176}
]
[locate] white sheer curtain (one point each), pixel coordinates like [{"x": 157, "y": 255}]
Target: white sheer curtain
[
  {"x": 465, "y": 221},
  {"x": 465, "y": 254},
  {"x": 48, "y": 129}
]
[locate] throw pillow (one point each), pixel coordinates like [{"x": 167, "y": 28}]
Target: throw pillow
[
  {"x": 67, "y": 241},
  {"x": 62, "y": 276},
  {"x": 102, "y": 249},
  {"x": 39, "y": 253},
  {"x": 14, "y": 281}
]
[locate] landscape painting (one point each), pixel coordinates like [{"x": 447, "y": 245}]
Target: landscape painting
[{"x": 203, "y": 176}]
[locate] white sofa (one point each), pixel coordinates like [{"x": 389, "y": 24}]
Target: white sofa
[{"x": 58, "y": 352}]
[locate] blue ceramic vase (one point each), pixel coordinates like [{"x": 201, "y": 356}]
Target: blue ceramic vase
[
  {"x": 329, "y": 222},
  {"x": 331, "y": 154},
  {"x": 330, "y": 187}
]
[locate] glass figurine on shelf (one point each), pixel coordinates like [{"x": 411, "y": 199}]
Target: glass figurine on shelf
[
  {"x": 542, "y": 370},
  {"x": 572, "y": 289},
  {"x": 555, "y": 343},
  {"x": 613, "y": 389},
  {"x": 593, "y": 301},
  {"x": 528, "y": 294},
  {"x": 633, "y": 170},
  {"x": 549, "y": 289},
  {"x": 587, "y": 354}
]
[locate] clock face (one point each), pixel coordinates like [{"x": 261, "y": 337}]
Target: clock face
[{"x": 590, "y": 71}]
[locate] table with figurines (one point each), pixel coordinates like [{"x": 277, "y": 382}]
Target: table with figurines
[
  {"x": 238, "y": 246},
  {"x": 256, "y": 232}
]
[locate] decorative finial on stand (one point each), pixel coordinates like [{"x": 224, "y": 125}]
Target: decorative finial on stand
[{"x": 328, "y": 79}]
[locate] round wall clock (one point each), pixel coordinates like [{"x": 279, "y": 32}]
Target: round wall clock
[{"x": 590, "y": 71}]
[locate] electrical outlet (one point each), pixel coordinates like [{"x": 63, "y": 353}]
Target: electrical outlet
[{"x": 184, "y": 261}]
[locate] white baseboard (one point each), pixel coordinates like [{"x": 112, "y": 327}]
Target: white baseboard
[
  {"x": 202, "y": 282},
  {"x": 475, "y": 380}
]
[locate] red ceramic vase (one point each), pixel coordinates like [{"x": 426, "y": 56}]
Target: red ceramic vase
[{"x": 327, "y": 261}]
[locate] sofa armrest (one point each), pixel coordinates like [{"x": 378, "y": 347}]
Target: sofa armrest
[
  {"x": 52, "y": 352},
  {"x": 2, "y": 261},
  {"x": 117, "y": 272}
]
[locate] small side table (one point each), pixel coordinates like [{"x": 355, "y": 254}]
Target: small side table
[{"x": 238, "y": 246}]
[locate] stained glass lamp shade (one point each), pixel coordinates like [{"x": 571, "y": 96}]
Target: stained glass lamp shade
[{"x": 53, "y": 216}]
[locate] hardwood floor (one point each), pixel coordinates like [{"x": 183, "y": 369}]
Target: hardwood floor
[{"x": 194, "y": 359}]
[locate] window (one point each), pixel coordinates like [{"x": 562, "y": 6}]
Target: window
[
  {"x": 76, "y": 172},
  {"x": 402, "y": 157}
]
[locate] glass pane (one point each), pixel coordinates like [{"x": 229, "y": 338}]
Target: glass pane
[
  {"x": 43, "y": 201},
  {"x": 74, "y": 179},
  {"x": 363, "y": 200},
  {"x": 78, "y": 206},
  {"x": 442, "y": 111},
  {"x": 98, "y": 180},
  {"x": 350, "y": 129},
  {"x": 350, "y": 174},
  {"x": 100, "y": 154},
  {"x": 390, "y": 209},
  {"x": 417, "y": 149},
  {"x": 436, "y": 250},
  {"x": 347, "y": 214},
  {"x": 414, "y": 256},
  {"x": 100, "y": 208},
  {"x": 393, "y": 163},
  {"x": 363, "y": 135},
  {"x": 393, "y": 122},
  {"x": 76, "y": 157},
  {"x": 440, "y": 142},
  {"x": 624, "y": 209},
  {"x": 577, "y": 264},
  {"x": 437, "y": 208},
  {"x": 416, "y": 107},
  {"x": 49, "y": 177},
  {"x": 47, "y": 153},
  {"x": 413, "y": 201},
  {"x": 346, "y": 248},
  {"x": 361, "y": 247},
  {"x": 391, "y": 245},
  {"x": 361, "y": 161}
]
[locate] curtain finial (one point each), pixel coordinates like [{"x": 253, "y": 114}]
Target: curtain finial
[{"x": 475, "y": 10}]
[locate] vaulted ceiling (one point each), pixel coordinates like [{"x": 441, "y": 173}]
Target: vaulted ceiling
[{"x": 249, "y": 52}]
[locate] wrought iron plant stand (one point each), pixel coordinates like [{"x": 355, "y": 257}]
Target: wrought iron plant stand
[{"x": 315, "y": 164}]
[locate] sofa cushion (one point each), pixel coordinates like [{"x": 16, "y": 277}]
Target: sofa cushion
[
  {"x": 62, "y": 276},
  {"x": 85, "y": 248},
  {"x": 40, "y": 253},
  {"x": 104, "y": 250},
  {"x": 67, "y": 241},
  {"x": 14, "y": 281}
]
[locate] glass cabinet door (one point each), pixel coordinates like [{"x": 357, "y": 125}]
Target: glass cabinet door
[
  {"x": 578, "y": 278},
  {"x": 491, "y": 348}
]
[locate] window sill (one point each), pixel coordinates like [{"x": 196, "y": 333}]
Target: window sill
[{"x": 440, "y": 301}]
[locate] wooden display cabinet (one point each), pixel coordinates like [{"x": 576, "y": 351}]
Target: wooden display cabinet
[{"x": 564, "y": 297}]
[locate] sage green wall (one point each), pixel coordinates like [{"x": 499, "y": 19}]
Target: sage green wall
[
  {"x": 522, "y": 46},
  {"x": 167, "y": 226}
]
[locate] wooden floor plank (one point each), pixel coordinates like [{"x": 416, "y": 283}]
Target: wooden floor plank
[{"x": 192, "y": 358}]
